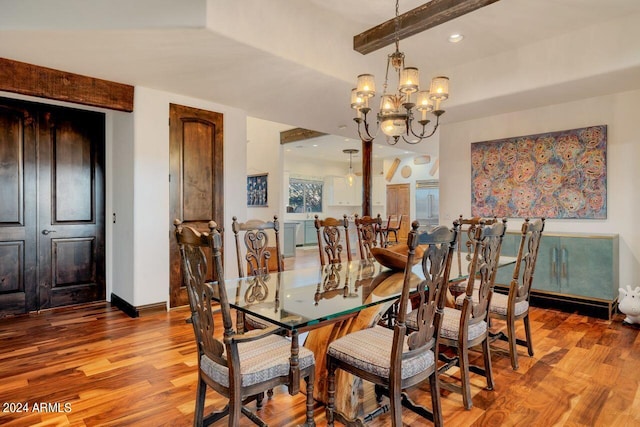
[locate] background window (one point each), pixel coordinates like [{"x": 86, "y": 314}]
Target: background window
[{"x": 305, "y": 195}]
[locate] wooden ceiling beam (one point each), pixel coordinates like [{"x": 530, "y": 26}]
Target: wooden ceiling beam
[
  {"x": 298, "y": 134},
  {"x": 29, "y": 79},
  {"x": 421, "y": 18}
]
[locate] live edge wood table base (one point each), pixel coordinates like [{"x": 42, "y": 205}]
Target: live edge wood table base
[{"x": 351, "y": 391}]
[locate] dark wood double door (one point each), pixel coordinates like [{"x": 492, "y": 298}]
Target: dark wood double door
[{"x": 51, "y": 207}]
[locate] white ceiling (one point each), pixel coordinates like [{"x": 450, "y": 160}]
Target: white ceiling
[{"x": 293, "y": 62}]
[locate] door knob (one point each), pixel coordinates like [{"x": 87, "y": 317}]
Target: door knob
[{"x": 45, "y": 232}]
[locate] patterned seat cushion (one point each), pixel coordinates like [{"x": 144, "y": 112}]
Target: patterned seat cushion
[
  {"x": 451, "y": 325},
  {"x": 498, "y": 304},
  {"x": 260, "y": 360},
  {"x": 370, "y": 350}
]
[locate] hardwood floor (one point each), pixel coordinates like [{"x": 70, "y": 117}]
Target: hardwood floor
[{"x": 94, "y": 365}]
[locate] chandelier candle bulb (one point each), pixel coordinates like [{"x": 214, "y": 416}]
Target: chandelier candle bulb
[
  {"x": 439, "y": 88},
  {"x": 409, "y": 80},
  {"x": 366, "y": 85}
]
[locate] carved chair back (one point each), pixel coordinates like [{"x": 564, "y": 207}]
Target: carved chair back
[
  {"x": 486, "y": 254},
  {"x": 254, "y": 250},
  {"x": 330, "y": 239},
  {"x": 369, "y": 234}
]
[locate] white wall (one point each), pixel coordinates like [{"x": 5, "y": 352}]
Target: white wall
[
  {"x": 152, "y": 227},
  {"x": 264, "y": 155},
  {"x": 119, "y": 189},
  {"x": 618, "y": 111},
  {"x": 418, "y": 173}
]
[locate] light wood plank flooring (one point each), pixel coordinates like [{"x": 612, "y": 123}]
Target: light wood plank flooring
[{"x": 94, "y": 366}]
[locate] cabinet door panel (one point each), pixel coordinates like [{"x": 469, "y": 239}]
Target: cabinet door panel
[
  {"x": 310, "y": 233},
  {"x": 547, "y": 265},
  {"x": 585, "y": 269},
  {"x": 509, "y": 248}
]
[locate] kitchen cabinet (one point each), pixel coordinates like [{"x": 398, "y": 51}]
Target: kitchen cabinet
[
  {"x": 340, "y": 193},
  {"x": 577, "y": 268},
  {"x": 289, "y": 239},
  {"x": 310, "y": 233}
]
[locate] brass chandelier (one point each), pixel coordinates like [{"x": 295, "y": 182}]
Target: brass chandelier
[{"x": 396, "y": 114}]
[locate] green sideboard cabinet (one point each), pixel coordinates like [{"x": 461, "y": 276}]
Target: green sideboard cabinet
[{"x": 578, "y": 268}]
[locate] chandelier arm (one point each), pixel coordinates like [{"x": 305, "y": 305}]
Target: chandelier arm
[
  {"x": 422, "y": 135},
  {"x": 366, "y": 136}
]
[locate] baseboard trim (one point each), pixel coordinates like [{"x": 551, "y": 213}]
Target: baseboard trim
[
  {"x": 139, "y": 311},
  {"x": 594, "y": 308}
]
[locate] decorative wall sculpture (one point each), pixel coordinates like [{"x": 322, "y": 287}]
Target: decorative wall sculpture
[{"x": 552, "y": 175}]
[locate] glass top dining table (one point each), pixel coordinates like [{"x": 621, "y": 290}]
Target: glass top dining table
[{"x": 302, "y": 299}]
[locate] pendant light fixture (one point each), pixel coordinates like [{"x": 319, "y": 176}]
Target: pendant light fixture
[{"x": 351, "y": 177}]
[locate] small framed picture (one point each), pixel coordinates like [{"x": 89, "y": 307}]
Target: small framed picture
[{"x": 257, "y": 190}]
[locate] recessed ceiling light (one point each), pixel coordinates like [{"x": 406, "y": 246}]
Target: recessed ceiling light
[
  {"x": 455, "y": 38},
  {"x": 315, "y": 145}
]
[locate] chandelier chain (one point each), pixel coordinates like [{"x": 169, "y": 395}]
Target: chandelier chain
[{"x": 397, "y": 25}]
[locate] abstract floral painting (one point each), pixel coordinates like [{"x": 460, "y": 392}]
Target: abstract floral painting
[{"x": 552, "y": 175}]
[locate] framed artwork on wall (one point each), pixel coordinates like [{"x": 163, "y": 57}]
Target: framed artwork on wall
[
  {"x": 257, "y": 190},
  {"x": 552, "y": 175}
]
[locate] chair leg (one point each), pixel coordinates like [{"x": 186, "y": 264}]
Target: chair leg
[
  {"x": 488, "y": 370},
  {"x": 465, "y": 387},
  {"x": 200, "y": 398},
  {"x": 235, "y": 407},
  {"x": 527, "y": 331},
  {"x": 239, "y": 322},
  {"x": 436, "y": 405},
  {"x": 379, "y": 392},
  {"x": 396, "y": 405},
  {"x": 259, "y": 399},
  {"x": 310, "y": 402},
  {"x": 511, "y": 338},
  {"x": 331, "y": 391}
]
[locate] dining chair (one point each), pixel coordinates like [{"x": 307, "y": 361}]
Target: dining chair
[
  {"x": 369, "y": 234},
  {"x": 466, "y": 325},
  {"x": 330, "y": 239},
  {"x": 240, "y": 367},
  {"x": 255, "y": 252},
  {"x": 394, "y": 222},
  {"x": 464, "y": 248},
  {"x": 515, "y": 305},
  {"x": 395, "y": 360}
]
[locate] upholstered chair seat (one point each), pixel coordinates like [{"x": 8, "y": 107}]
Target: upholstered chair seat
[
  {"x": 499, "y": 304},
  {"x": 370, "y": 351},
  {"x": 260, "y": 361}
]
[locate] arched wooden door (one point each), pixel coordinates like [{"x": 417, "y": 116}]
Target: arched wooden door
[{"x": 196, "y": 179}]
